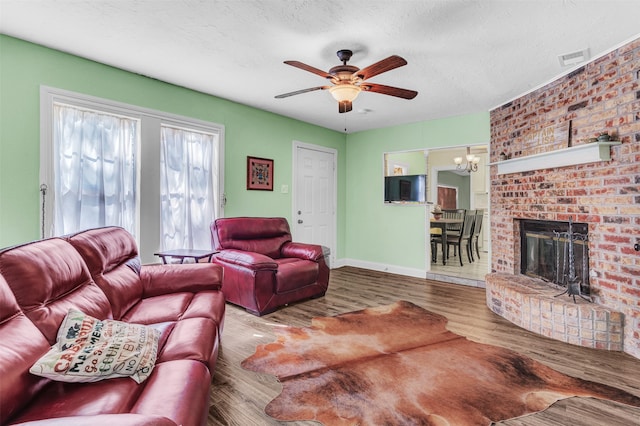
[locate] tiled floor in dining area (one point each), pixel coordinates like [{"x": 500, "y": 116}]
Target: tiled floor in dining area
[{"x": 471, "y": 274}]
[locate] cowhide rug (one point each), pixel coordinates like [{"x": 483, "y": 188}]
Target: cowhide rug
[{"x": 398, "y": 365}]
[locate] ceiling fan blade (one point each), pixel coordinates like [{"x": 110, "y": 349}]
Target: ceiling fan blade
[
  {"x": 384, "y": 65},
  {"x": 344, "y": 106},
  {"x": 309, "y": 68},
  {"x": 298, "y": 92},
  {"x": 389, "y": 90}
]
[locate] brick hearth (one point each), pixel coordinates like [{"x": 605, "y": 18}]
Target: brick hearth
[
  {"x": 532, "y": 304},
  {"x": 601, "y": 96}
]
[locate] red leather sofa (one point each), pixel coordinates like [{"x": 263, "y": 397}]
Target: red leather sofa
[
  {"x": 263, "y": 269},
  {"x": 98, "y": 272}
]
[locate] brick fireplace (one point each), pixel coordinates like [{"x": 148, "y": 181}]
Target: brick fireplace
[{"x": 546, "y": 177}]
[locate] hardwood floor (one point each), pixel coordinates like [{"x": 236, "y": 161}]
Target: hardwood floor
[
  {"x": 471, "y": 274},
  {"x": 238, "y": 397}
]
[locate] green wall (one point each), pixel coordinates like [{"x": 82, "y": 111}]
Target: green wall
[
  {"x": 24, "y": 67},
  {"x": 369, "y": 232},
  {"x": 395, "y": 235},
  {"x": 415, "y": 161}
]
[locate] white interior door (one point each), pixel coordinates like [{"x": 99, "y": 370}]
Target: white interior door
[{"x": 314, "y": 190}]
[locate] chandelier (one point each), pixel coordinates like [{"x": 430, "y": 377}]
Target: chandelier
[{"x": 472, "y": 162}]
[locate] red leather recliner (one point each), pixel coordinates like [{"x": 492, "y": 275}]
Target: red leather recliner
[{"x": 263, "y": 269}]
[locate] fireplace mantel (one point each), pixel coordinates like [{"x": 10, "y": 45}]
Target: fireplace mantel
[{"x": 581, "y": 154}]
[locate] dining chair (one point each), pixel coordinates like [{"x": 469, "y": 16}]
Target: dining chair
[
  {"x": 464, "y": 237},
  {"x": 477, "y": 231},
  {"x": 435, "y": 234},
  {"x": 453, "y": 228}
]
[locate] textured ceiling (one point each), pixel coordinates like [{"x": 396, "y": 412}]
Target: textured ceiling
[{"x": 463, "y": 56}]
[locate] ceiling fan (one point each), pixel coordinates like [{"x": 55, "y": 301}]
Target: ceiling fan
[{"x": 348, "y": 81}]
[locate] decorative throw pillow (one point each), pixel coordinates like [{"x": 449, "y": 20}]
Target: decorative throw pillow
[{"x": 89, "y": 350}]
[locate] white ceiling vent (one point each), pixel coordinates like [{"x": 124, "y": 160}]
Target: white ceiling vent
[{"x": 573, "y": 58}]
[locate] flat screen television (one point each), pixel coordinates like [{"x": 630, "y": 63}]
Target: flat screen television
[{"x": 408, "y": 188}]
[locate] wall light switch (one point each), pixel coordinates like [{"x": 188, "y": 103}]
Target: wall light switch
[{"x": 284, "y": 189}]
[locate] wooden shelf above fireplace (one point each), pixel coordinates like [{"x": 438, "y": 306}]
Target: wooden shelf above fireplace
[{"x": 580, "y": 154}]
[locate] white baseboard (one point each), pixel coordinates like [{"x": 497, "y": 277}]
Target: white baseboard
[{"x": 392, "y": 269}]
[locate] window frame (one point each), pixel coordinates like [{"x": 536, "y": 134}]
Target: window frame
[{"x": 147, "y": 232}]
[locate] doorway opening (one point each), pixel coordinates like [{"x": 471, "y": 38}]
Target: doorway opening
[
  {"x": 452, "y": 188},
  {"x": 469, "y": 189}
]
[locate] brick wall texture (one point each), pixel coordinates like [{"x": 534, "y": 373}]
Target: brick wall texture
[{"x": 602, "y": 96}]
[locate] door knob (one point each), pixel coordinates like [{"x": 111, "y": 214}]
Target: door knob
[{"x": 299, "y": 220}]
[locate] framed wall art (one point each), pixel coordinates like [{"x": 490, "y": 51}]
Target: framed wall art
[{"x": 259, "y": 174}]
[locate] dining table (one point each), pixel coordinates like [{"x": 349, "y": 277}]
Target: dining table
[{"x": 442, "y": 223}]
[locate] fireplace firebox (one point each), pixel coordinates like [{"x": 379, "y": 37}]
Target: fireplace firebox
[{"x": 556, "y": 252}]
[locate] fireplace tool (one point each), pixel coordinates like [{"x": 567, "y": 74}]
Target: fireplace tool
[{"x": 573, "y": 284}]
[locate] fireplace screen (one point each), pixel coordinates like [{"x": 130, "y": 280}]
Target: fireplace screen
[{"x": 547, "y": 254}]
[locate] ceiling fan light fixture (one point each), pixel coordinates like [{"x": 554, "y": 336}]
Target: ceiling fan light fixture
[
  {"x": 348, "y": 81},
  {"x": 344, "y": 92}
]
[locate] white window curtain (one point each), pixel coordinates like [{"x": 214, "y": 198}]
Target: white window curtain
[
  {"x": 95, "y": 169},
  {"x": 188, "y": 187}
]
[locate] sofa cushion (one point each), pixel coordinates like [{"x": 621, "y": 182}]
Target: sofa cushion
[
  {"x": 60, "y": 399},
  {"x": 178, "y": 390},
  {"x": 254, "y": 234},
  {"x": 173, "y": 307},
  {"x": 111, "y": 255},
  {"x": 192, "y": 338},
  {"x": 191, "y": 324},
  {"x": 21, "y": 343},
  {"x": 49, "y": 277},
  {"x": 106, "y": 248},
  {"x": 123, "y": 419},
  {"x": 90, "y": 350},
  {"x": 152, "y": 310}
]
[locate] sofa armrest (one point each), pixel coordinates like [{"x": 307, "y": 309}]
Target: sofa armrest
[
  {"x": 104, "y": 420},
  {"x": 245, "y": 259},
  {"x": 302, "y": 251},
  {"x": 172, "y": 278}
]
